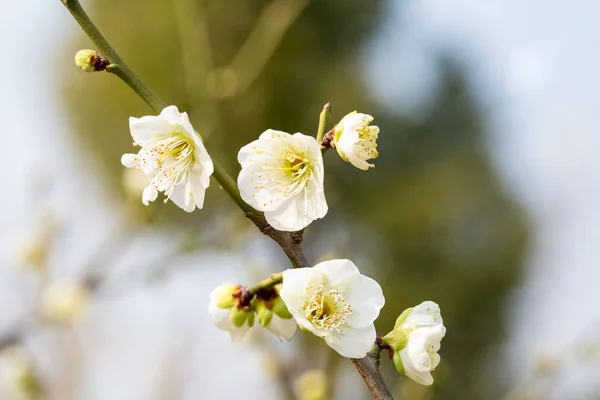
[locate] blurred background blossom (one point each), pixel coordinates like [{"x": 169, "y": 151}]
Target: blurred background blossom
[{"x": 483, "y": 198}]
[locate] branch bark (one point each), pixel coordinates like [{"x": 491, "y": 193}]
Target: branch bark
[
  {"x": 290, "y": 242},
  {"x": 368, "y": 368}
]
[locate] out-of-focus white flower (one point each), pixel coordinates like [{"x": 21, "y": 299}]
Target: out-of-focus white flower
[
  {"x": 334, "y": 301},
  {"x": 173, "y": 158},
  {"x": 228, "y": 312},
  {"x": 63, "y": 301},
  {"x": 274, "y": 315},
  {"x": 38, "y": 244},
  {"x": 282, "y": 175},
  {"x": 312, "y": 385},
  {"x": 355, "y": 140},
  {"x": 416, "y": 340},
  {"x": 18, "y": 379}
]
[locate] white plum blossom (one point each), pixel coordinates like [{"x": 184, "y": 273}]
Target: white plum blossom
[
  {"x": 416, "y": 340},
  {"x": 355, "y": 140},
  {"x": 335, "y": 302},
  {"x": 282, "y": 175},
  {"x": 173, "y": 158},
  {"x": 227, "y": 313}
]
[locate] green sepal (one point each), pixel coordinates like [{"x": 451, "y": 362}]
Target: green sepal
[
  {"x": 398, "y": 338},
  {"x": 239, "y": 316},
  {"x": 402, "y": 318},
  {"x": 398, "y": 363},
  {"x": 264, "y": 314},
  {"x": 281, "y": 309}
]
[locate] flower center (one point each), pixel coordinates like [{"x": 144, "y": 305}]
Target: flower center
[
  {"x": 173, "y": 158},
  {"x": 326, "y": 310},
  {"x": 297, "y": 169},
  {"x": 367, "y": 144}
]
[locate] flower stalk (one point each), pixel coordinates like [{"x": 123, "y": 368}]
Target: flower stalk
[
  {"x": 324, "y": 118},
  {"x": 268, "y": 283}
]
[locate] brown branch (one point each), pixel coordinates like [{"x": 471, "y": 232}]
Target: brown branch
[{"x": 368, "y": 368}]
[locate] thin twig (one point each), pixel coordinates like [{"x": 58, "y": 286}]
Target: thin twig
[{"x": 267, "y": 283}]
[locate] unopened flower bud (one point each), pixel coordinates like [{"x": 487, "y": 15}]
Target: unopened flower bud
[
  {"x": 415, "y": 341},
  {"x": 90, "y": 61},
  {"x": 230, "y": 309},
  {"x": 64, "y": 301}
]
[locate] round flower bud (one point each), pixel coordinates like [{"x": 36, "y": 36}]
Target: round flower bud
[{"x": 86, "y": 60}]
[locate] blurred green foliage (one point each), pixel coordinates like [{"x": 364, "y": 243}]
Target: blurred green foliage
[{"x": 432, "y": 218}]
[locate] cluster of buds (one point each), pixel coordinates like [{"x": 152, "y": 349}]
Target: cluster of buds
[{"x": 234, "y": 309}]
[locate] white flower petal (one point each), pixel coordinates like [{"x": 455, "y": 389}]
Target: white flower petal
[
  {"x": 352, "y": 343},
  {"x": 366, "y": 298},
  {"x": 149, "y": 194},
  {"x": 337, "y": 270},
  {"x": 263, "y": 200},
  {"x": 238, "y": 333},
  {"x": 172, "y": 114},
  {"x": 290, "y": 216},
  {"x": 129, "y": 160},
  {"x": 149, "y": 129},
  {"x": 221, "y": 317},
  {"x": 198, "y": 190},
  {"x": 274, "y": 134},
  {"x": 425, "y": 314},
  {"x": 295, "y": 283},
  {"x": 183, "y": 198},
  {"x": 283, "y": 328}
]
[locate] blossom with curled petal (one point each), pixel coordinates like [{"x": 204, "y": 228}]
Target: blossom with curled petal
[
  {"x": 355, "y": 140},
  {"x": 282, "y": 175},
  {"x": 335, "y": 302},
  {"x": 173, "y": 158},
  {"x": 416, "y": 340}
]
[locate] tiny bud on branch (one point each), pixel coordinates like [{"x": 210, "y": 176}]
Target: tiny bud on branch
[{"x": 90, "y": 61}]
